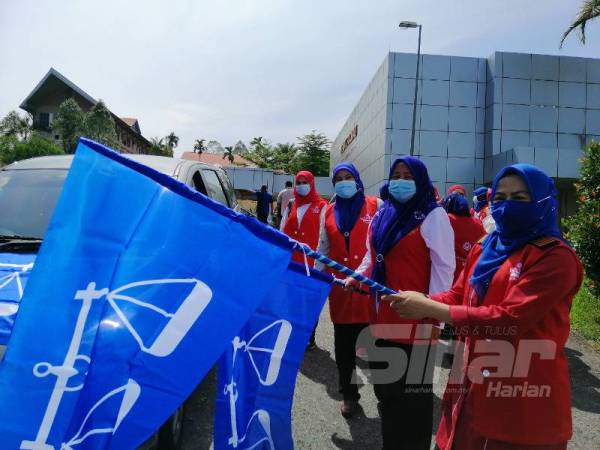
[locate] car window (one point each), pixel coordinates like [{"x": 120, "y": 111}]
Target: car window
[
  {"x": 213, "y": 186},
  {"x": 27, "y": 199},
  {"x": 198, "y": 183},
  {"x": 229, "y": 192}
]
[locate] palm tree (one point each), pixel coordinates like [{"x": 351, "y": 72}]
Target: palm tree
[
  {"x": 589, "y": 10},
  {"x": 157, "y": 146},
  {"x": 257, "y": 142},
  {"x": 172, "y": 141},
  {"x": 229, "y": 154},
  {"x": 199, "y": 146}
]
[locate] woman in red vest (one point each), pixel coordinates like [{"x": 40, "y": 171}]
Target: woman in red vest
[
  {"x": 411, "y": 244},
  {"x": 467, "y": 229},
  {"x": 457, "y": 189},
  {"x": 512, "y": 301},
  {"x": 343, "y": 235},
  {"x": 301, "y": 221}
]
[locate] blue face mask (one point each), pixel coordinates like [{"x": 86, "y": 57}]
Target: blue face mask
[
  {"x": 513, "y": 217},
  {"x": 346, "y": 189},
  {"x": 402, "y": 190},
  {"x": 303, "y": 189}
]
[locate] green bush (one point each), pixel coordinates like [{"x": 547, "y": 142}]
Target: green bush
[
  {"x": 12, "y": 149},
  {"x": 585, "y": 315},
  {"x": 583, "y": 228}
]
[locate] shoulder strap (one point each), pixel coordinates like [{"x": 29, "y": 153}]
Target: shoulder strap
[{"x": 545, "y": 242}]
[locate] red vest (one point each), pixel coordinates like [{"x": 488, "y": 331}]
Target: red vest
[
  {"x": 347, "y": 306},
  {"x": 529, "y": 297},
  {"x": 308, "y": 231},
  {"x": 407, "y": 268},
  {"x": 467, "y": 231}
]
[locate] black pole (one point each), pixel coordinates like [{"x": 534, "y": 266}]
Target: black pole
[{"x": 414, "y": 120}]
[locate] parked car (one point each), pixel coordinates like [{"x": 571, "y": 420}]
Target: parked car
[{"x": 29, "y": 190}]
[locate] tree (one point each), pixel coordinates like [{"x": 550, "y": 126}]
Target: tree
[
  {"x": 157, "y": 146},
  {"x": 229, "y": 154},
  {"x": 100, "y": 126},
  {"x": 583, "y": 228},
  {"x": 214, "y": 147},
  {"x": 240, "y": 148},
  {"x": 199, "y": 146},
  {"x": 172, "y": 141},
  {"x": 261, "y": 153},
  {"x": 589, "y": 10},
  {"x": 313, "y": 154},
  {"x": 69, "y": 124},
  {"x": 283, "y": 157},
  {"x": 13, "y": 124},
  {"x": 12, "y": 149}
]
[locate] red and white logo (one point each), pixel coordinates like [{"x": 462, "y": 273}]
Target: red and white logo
[{"x": 515, "y": 272}]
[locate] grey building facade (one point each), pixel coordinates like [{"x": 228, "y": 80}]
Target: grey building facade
[{"x": 474, "y": 116}]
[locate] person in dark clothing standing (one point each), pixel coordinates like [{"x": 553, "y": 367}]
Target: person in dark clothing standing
[{"x": 264, "y": 202}]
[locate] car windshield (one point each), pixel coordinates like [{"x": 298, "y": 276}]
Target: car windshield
[{"x": 27, "y": 199}]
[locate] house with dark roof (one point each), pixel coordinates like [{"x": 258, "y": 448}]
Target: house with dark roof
[{"x": 54, "y": 88}]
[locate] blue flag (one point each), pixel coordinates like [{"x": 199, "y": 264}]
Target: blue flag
[
  {"x": 14, "y": 273},
  {"x": 257, "y": 374},
  {"x": 140, "y": 285}
]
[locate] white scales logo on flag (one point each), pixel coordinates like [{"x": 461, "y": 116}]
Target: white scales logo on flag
[
  {"x": 10, "y": 308},
  {"x": 276, "y": 351},
  {"x": 177, "y": 326}
]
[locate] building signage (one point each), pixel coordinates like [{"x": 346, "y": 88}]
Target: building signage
[{"x": 350, "y": 139}]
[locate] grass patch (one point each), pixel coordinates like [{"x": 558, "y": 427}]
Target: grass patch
[{"x": 585, "y": 316}]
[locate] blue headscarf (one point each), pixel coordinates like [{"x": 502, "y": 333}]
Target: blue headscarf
[
  {"x": 347, "y": 210},
  {"x": 540, "y": 217},
  {"x": 456, "y": 204},
  {"x": 395, "y": 220},
  {"x": 481, "y": 194}
]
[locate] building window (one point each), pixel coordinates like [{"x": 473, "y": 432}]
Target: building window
[{"x": 44, "y": 121}]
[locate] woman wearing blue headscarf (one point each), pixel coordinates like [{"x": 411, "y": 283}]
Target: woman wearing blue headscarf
[
  {"x": 512, "y": 300},
  {"x": 410, "y": 247},
  {"x": 344, "y": 228}
]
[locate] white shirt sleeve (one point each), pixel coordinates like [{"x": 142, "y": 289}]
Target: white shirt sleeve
[
  {"x": 439, "y": 238},
  {"x": 323, "y": 247},
  {"x": 489, "y": 224},
  {"x": 284, "y": 217}
]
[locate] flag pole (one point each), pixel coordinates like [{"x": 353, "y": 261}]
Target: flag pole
[{"x": 345, "y": 270}]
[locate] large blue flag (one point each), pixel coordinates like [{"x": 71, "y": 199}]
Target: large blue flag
[
  {"x": 14, "y": 273},
  {"x": 257, "y": 374},
  {"x": 139, "y": 287}
]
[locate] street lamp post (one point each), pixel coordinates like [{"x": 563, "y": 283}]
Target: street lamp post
[{"x": 406, "y": 25}]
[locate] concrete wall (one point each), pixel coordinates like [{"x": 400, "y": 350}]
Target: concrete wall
[
  {"x": 370, "y": 115},
  {"x": 450, "y": 116},
  {"x": 474, "y": 116}
]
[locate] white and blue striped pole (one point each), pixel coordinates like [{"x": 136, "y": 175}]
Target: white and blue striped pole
[{"x": 345, "y": 270}]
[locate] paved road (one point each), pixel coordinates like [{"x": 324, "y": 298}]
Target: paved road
[{"x": 318, "y": 425}]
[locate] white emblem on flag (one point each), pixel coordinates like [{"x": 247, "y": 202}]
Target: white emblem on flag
[
  {"x": 177, "y": 325},
  {"x": 10, "y": 308},
  {"x": 261, "y": 344}
]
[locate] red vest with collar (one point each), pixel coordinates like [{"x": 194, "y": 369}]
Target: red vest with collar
[
  {"x": 308, "y": 231},
  {"x": 467, "y": 231},
  {"x": 407, "y": 268},
  {"x": 347, "y": 306},
  {"x": 498, "y": 406}
]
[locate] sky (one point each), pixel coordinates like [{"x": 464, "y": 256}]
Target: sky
[{"x": 227, "y": 70}]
